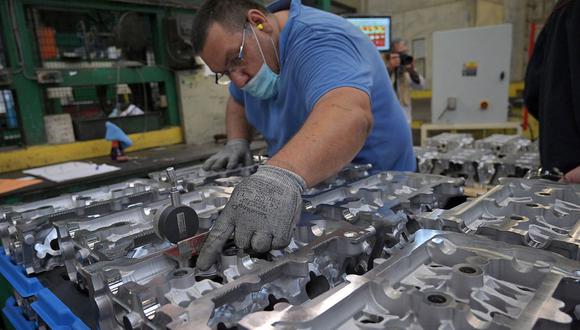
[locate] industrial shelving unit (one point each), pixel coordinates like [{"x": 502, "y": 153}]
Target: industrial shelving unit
[
  {"x": 57, "y": 67},
  {"x": 9, "y": 131}
]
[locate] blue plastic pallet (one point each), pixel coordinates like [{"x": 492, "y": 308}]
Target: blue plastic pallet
[
  {"x": 15, "y": 316},
  {"x": 46, "y": 305}
]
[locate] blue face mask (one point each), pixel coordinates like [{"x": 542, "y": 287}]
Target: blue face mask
[{"x": 264, "y": 84}]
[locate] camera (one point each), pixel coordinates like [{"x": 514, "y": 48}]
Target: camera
[{"x": 406, "y": 59}]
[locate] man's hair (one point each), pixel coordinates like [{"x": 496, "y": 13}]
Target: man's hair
[{"x": 229, "y": 13}]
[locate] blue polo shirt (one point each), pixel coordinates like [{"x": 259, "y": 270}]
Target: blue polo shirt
[{"x": 320, "y": 52}]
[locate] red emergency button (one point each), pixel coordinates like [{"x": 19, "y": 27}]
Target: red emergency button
[{"x": 484, "y": 105}]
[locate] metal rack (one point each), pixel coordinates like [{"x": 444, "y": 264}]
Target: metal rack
[{"x": 42, "y": 55}]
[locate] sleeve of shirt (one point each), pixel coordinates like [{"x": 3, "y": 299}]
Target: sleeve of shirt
[
  {"x": 324, "y": 62},
  {"x": 237, "y": 94}
]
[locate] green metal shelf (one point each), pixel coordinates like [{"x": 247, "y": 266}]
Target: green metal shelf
[{"x": 30, "y": 94}]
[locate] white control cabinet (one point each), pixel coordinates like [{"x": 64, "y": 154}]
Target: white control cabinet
[{"x": 471, "y": 75}]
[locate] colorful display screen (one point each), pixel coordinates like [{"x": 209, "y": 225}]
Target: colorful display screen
[{"x": 377, "y": 28}]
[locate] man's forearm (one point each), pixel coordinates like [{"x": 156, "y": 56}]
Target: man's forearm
[
  {"x": 331, "y": 137},
  {"x": 237, "y": 126}
]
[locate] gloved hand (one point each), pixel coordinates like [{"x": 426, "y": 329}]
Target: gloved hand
[
  {"x": 235, "y": 152},
  {"x": 261, "y": 212}
]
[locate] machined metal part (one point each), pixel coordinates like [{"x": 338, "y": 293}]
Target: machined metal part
[
  {"x": 449, "y": 141},
  {"x": 392, "y": 231},
  {"x": 36, "y": 246},
  {"x": 440, "y": 281},
  {"x": 539, "y": 213},
  {"x": 349, "y": 174},
  {"x": 32, "y": 241},
  {"x": 296, "y": 278},
  {"x": 36, "y": 218},
  {"x": 103, "y": 281},
  {"x": 503, "y": 145},
  {"x": 122, "y": 285},
  {"x": 356, "y": 258},
  {"x": 85, "y": 198},
  {"x": 195, "y": 176},
  {"x": 384, "y": 194},
  {"x": 131, "y": 233},
  {"x": 475, "y": 165},
  {"x": 426, "y": 158},
  {"x": 517, "y": 165},
  {"x": 481, "y": 163}
]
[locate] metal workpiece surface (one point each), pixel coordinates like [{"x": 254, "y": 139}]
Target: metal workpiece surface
[
  {"x": 194, "y": 176},
  {"x": 42, "y": 245},
  {"x": 82, "y": 199},
  {"x": 349, "y": 174},
  {"x": 320, "y": 255},
  {"x": 443, "y": 280},
  {"x": 357, "y": 259},
  {"x": 292, "y": 277},
  {"x": 384, "y": 193},
  {"x": 112, "y": 284},
  {"x": 482, "y": 162},
  {"x": 503, "y": 145},
  {"x": 35, "y": 219},
  {"x": 34, "y": 238},
  {"x": 189, "y": 178},
  {"x": 450, "y": 141},
  {"x": 477, "y": 166},
  {"x": 538, "y": 213},
  {"x": 131, "y": 233}
]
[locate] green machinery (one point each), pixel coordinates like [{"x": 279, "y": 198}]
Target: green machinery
[{"x": 36, "y": 66}]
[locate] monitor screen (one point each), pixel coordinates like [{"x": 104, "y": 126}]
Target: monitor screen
[{"x": 377, "y": 28}]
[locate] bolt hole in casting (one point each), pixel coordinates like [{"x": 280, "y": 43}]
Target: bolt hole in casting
[
  {"x": 273, "y": 301},
  {"x": 533, "y": 205},
  {"x": 180, "y": 273},
  {"x": 317, "y": 285},
  {"x": 371, "y": 319},
  {"x": 436, "y": 299},
  {"x": 54, "y": 245},
  {"x": 467, "y": 270}
]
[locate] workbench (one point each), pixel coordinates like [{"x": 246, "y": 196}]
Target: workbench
[{"x": 139, "y": 165}]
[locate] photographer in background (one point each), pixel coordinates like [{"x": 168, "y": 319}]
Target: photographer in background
[{"x": 405, "y": 78}]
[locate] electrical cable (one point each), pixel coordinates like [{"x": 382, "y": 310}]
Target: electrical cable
[{"x": 443, "y": 113}]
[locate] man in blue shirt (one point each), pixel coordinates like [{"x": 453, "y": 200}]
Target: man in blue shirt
[{"x": 317, "y": 90}]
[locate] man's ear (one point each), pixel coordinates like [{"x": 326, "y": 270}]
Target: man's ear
[{"x": 259, "y": 21}]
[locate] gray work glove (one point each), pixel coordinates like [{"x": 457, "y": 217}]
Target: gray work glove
[
  {"x": 236, "y": 151},
  {"x": 261, "y": 212}
]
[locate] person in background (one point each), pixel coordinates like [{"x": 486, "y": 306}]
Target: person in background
[
  {"x": 552, "y": 90},
  {"x": 405, "y": 78},
  {"x": 316, "y": 88}
]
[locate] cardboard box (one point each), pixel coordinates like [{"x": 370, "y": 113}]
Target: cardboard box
[{"x": 59, "y": 129}]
